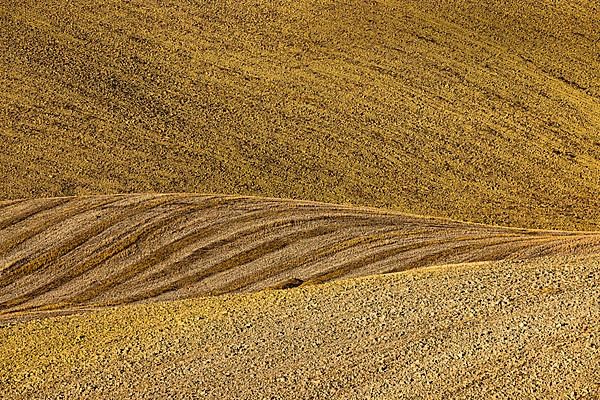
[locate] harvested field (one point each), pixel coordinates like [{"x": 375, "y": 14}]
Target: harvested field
[
  {"x": 506, "y": 330},
  {"x": 63, "y": 254}
]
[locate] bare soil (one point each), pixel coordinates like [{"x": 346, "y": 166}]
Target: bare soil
[
  {"x": 487, "y": 111},
  {"x": 504, "y": 330},
  {"x": 62, "y": 254}
]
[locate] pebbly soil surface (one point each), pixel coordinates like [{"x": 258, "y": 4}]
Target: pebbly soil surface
[{"x": 486, "y": 330}]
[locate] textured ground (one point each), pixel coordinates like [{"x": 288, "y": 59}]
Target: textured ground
[
  {"x": 64, "y": 253},
  {"x": 505, "y": 330},
  {"x": 483, "y": 111},
  {"x": 486, "y": 111}
]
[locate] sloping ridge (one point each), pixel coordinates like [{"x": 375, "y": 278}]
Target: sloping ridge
[
  {"x": 64, "y": 254},
  {"x": 480, "y": 111}
]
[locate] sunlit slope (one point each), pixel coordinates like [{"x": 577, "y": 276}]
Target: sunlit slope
[
  {"x": 68, "y": 253},
  {"x": 484, "y": 111},
  {"x": 507, "y": 330}
]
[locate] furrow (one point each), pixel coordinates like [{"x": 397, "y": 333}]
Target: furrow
[
  {"x": 242, "y": 258},
  {"x": 61, "y": 254},
  {"x": 321, "y": 253},
  {"x": 560, "y": 246},
  {"x": 24, "y": 266},
  {"x": 379, "y": 256},
  {"x": 53, "y": 219},
  {"x": 117, "y": 244},
  {"x": 126, "y": 239},
  {"x": 44, "y": 206},
  {"x": 480, "y": 249},
  {"x": 8, "y": 203},
  {"x": 125, "y": 275},
  {"x": 160, "y": 255}
]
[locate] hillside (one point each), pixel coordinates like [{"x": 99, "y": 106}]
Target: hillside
[
  {"x": 491, "y": 330},
  {"x": 67, "y": 254},
  {"x": 482, "y": 111}
]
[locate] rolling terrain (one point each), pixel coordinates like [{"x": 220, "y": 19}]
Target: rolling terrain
[
  {"x": 309, "y": 199},
  {"x": 65, "y": 254},
  {"x": 481, "y": 111}
]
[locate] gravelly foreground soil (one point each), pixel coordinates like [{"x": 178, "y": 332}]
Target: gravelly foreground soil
[{"x": 488, "y": 330}]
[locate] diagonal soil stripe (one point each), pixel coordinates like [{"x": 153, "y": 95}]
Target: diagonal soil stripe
[
  {"x": 44, "y": 206},
  {"x": 8, "y": 203},
  {"x": 242, "y": 258},
  {"x": 53, "y": 219},
  {"x": 161, "y": 254},
  {"x": 25, "y": 266},
  {"x": 137, "y": 252},
  {"x": 372, "y": 258},
  {"x": 319, "y": 254},
  {"x": 485, "y": 251},
  {"x": 102, "y": 254},
  {"x": 481, "y": 248},
  {"x": 158, "y": 256},
  {"x": 125, "y": 240}
]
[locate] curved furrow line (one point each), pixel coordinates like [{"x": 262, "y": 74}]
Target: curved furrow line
[
  {"x": 157, "y": 256},
  {"x": 60, "y": 254},
  {"x": 60, "y": 233},
  {"x": 26, "y": 266},
  {"x": 7, "y": 203},
  {"x": 263, "y": 267},
  {"x": 127, "y": 238},
  {"x": 56, "y": 242},
  {"x": 577, "y": 245},
  {"x": 479, "y": 250},
  {"x": 360, "y": 262},
  {"x": 131, "y": 238},
  {"x": 310, "y": 256},
  {"x": 242, "y": 258},
  {"x": 126, "y": 276},
  {"x": 202, "y": 251},
  {"x": 296, "y": 221},
  {"x": 377, "y": 261},
  {"x": 30, "y": 231},
  {"x": 358, "y": 251},
  {"x": 119, "y": 243},
  {"x": 30, "y": 211},
  {"x": 161, "y": 254},
  {"x": 336, "y": 272}
]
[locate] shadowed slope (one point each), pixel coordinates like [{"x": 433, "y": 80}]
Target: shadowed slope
[
  {"x": 475, "y": 110},
  {"x": 64, "y": 253}
]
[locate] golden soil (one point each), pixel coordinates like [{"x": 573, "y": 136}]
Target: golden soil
[
  {"x": 503, "y": 330},
  {"x": 326, "y": 123},
  {"x": 65, "y": 254},
  {"x": 484, "y": 111}
]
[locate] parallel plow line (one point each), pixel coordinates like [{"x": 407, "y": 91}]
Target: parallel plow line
[{"x": 133, "y": 248}]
